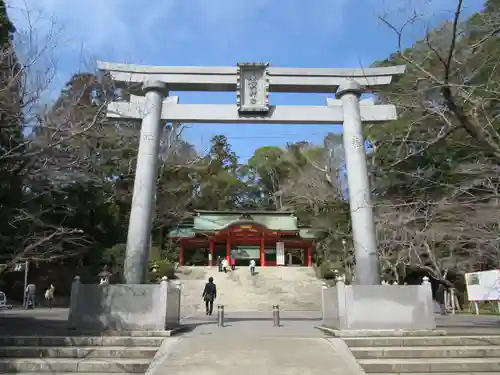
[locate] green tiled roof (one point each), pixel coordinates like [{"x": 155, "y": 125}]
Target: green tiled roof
[
  {"x": 182, "y": 232},
  {"x": 214, "y": 222},
  {"x": 211, "y": 221}
]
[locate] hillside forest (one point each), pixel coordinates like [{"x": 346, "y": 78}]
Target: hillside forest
[{"x": 66, "y": 172}]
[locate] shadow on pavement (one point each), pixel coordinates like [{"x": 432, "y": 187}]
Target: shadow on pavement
[
  {"x": 43, "y": 322},
  {"x": 34, "y": 322}
]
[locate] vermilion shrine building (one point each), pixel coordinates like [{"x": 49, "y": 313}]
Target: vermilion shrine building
[{"x": 271, "y": 238}]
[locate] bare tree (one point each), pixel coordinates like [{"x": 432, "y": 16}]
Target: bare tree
[
  {"x": 437, "y": 167},
  {"x": 37, "y": 158}
]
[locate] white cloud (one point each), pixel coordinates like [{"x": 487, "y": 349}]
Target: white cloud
[
  {"x": 127, "y": 27},
  {"x": 98, "y": 24}
]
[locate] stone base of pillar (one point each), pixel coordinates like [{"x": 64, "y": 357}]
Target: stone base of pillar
[
  {"x": 378, "y": 307},
  {"x": 124, "y": 307}
]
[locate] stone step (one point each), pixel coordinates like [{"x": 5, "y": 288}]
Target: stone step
[
  {"x": 71, "y": 373},
  {"x": 430, "y": 365},
  {"x": 422, "y": 341},
  {"x": 486, "y": 351},
  {"x": 126, "y": 333},
  {"x": 437, "y": 373},
  {"x": 293, "y": 288},
  {"x": 78, "y": 352},
  {"x": 58, "y": 365},
  {"x": 80, "y": 341}
]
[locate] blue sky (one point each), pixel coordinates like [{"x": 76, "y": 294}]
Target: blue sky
[{"x": 286, "y": 33}]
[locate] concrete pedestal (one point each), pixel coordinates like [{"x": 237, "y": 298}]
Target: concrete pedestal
[
  {"x": 378, "y": 307},
  {"x": 124, "y": 307}
]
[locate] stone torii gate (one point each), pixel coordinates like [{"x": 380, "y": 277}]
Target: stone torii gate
[{"x": 149, "y": 102}]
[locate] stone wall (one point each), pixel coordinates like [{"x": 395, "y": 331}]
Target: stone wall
[
  {"x": 378, "y": 307},
  {"x": 124, "y": 306}
]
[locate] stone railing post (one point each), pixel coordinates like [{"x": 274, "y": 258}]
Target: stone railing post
[
  {"x": 453, "y": 300},
  {"x": 139, "y": 228},
  {"x": 342, "y": 302},
  {"x": 363, "y": 227},
  {"x": 426, "y": 282},
  {"x": 178, "y": 286},
  {"x": 163, "y": 304},
  {"x": 324, "y": 286},
  {"x": 427, "y": 289},
  {"x": 73, "y": 303}
]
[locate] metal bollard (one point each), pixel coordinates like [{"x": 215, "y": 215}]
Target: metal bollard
[
  {"x": 220, "y": 315},
  {"x": 276, "y": 316}
]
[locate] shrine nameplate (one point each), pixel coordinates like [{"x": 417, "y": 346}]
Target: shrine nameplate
[{"x": 252, "y": 89}]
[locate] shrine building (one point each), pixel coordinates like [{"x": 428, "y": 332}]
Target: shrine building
[{"x": 271, "y": 238}]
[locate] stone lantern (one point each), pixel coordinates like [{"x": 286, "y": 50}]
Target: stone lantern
[
  {"x": 155, "y": 267},
  {"x": 104, "y": 276}
]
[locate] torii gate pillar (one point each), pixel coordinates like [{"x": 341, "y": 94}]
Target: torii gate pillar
[
  {"x": 363, "y": 228},
  {"x": 139, "y": 227}
]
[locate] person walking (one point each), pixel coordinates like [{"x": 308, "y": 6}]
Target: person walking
[
  {"x": 224, "y": 265},
  {"x": 233, "y": 264},
  {"x": 209, "y": 295},
  {"x": 49, "y": 295},
  {"x": 440, "y": 297},
  {"x": 252, "y": 267}
]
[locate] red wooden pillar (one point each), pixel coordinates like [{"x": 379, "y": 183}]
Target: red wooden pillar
[
  {"x": 228, "y": 248},
  {"x": 309, "y": 259},
  {"x": 262, "y": 252},
  {"x": 181, "y": 253},
  {"x": 212, "y": 250}
]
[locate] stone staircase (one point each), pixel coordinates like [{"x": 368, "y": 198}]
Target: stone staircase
[
  {"x": 64, "y": 355},
  {"x": 444, "y": 355},
  {"x": 293, "y": 288}
]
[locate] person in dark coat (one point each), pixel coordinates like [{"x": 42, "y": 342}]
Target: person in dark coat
[
  {"x": 440, "y": 297},
  {"x": 209, "y": 295}
]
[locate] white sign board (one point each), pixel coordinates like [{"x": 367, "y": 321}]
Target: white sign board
[
  {"x": 252, "y": 88},
  {"x": 483, "y": 286}
]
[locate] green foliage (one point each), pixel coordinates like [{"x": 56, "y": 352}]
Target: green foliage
[
  {"x": 326, "y": 271},
  {"x": 164, "y": 268},
  {"x": 6, "y": 26},
  {"x": 114, "y": 256}
]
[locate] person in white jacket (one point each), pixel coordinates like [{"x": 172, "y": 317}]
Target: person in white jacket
[
  {"x": 49, "y": 295},
  {"x": 224, "y": 265},
  {"x": 252, "y": 267}
]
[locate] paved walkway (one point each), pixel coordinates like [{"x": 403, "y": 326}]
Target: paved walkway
[
  {"x": 255, "y": 323},
  {"x": 469, "y": 324},
  {"x": 249, "y": 344},
  {"x": 250, "y": 355}
]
